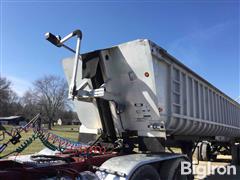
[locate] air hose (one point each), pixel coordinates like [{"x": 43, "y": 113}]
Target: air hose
[
  {"x": 46, "y": 143},
  {"x": 23, "y": 146},
  {"x": 26, "y": 143}
]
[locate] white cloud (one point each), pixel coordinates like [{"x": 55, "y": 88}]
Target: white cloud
[
  {"x": 20, "y": 86},
  {"x": 204, "y": 34},
  {"x": 187, "y": 47}
]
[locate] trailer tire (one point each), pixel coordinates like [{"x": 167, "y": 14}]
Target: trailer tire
[
  {"x": 171, "y": 170},
  {"x": 146, "y": 172},
  {"x": 197, "y": 153},
  {"x": 235, "y": 151},
  {"x": 205, "y": 151}
]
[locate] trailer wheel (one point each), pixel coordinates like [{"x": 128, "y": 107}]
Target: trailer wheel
[
  {"x": 197, "y": 153},
  {"x": 205, "y": 150},
  {"x": 235, "y": 151},
  {"x": 146, "y": 172},
  {"x": 171, "y": 170}
]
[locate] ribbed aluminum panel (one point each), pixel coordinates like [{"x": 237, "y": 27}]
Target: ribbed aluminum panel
[{"x": 196, "y": 107}]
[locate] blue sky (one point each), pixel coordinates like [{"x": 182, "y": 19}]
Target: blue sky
[{"x": 203, "y": 35}]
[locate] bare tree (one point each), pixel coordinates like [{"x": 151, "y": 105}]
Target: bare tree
[
  {"x": 9, "y": 101},
  {"x": 50, "y": 93},
  {"x": 4, "y": 94},
  {"x": 14, "y": 104},
  {"x": 4, "y": 87},
  {"x": 29, "y": 104},
  {"x": 48, "y": 96}
]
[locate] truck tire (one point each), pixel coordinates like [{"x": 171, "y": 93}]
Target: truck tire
[
  {"x": 235, "y": 151},
  {"x": 205, "y": 150},
  {"x": 171, "y": 170},
  {"x": 146, "y": 172},
  {"x": 197, "y": 153}
]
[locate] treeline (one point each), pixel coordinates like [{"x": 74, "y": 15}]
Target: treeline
[{"x": 47, "y": 96}]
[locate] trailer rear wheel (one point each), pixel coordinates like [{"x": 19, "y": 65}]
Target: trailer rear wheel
[
  {"x": 235, "y": 151},
  {"x": 146, "y": 172},
  {"x": 205, "y": 150},
  {"x": 171, "y": 170},
  {"x": 197, "y": 154}
]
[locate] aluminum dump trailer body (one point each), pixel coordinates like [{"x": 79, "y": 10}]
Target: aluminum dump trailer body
[{"x": 149, "y": 91}]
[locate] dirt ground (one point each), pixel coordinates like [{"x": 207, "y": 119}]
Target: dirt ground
[{"x": 224, "y": 162}]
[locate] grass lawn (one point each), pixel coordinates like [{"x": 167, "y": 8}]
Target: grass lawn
[{"x": 66, "y": 131}]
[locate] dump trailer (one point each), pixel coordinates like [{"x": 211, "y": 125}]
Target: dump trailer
[
  {"x": 140, "y": 100},
  {"x": 139, "y": 89},
  {"x": 139, "y": 93}
]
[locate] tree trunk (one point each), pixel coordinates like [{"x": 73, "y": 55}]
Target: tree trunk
[
  {"x": 50, "y": 124},
  {"x": 39, "y": 123}
]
